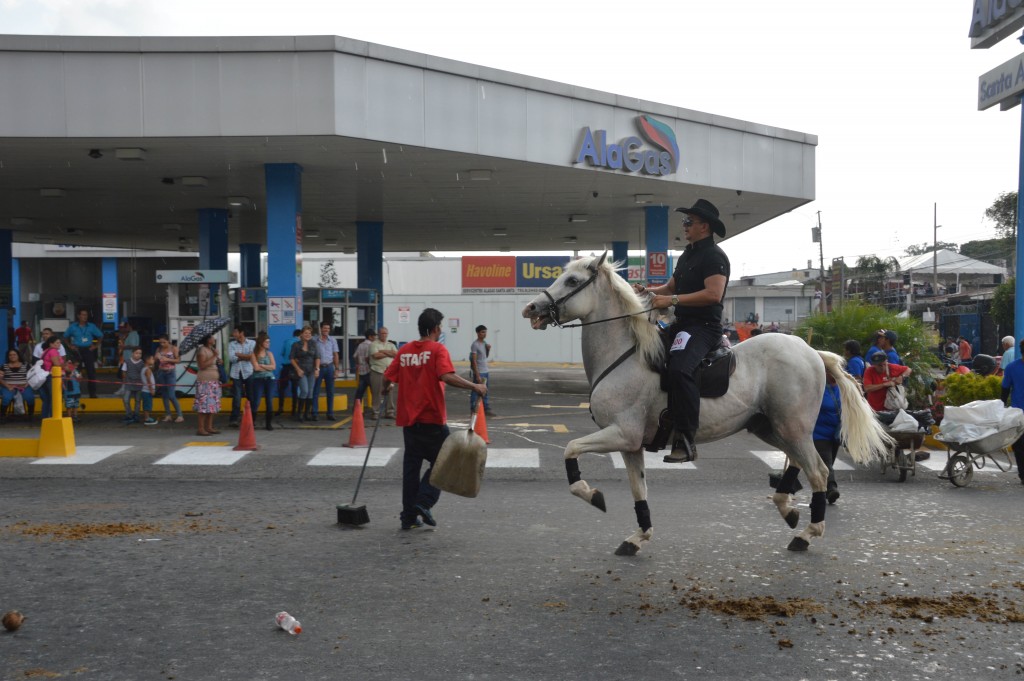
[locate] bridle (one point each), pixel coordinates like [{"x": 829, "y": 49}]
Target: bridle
[{"x": 554, "y": 305}]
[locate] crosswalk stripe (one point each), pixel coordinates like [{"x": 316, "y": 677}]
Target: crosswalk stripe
[
  {"x": 83, "y": 455},
  {"x": 202, "y": 456},
  {"x": 513, "y": 458},
  {"x": 653, "y": 460},
  {"x": 347, "y": 456},
  {"x": 776, "y": 460},
  {"x": 937, "y": 463}
]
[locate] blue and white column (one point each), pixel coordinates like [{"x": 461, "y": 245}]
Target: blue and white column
[
  {"x": 370, "y": 261},
  {"x": 284, "y": 253},
  {"x": 656, "y": 232}
]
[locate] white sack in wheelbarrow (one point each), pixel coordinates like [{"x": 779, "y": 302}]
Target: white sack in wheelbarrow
[
  {"x": 904, "y": 423},
  {"x": 976, "y": 420},
  {"x": 459, "y": 468}
]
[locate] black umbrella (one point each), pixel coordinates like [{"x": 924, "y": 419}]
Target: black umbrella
[{"x": 200, "y": 331}]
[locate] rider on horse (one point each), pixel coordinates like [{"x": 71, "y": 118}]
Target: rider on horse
[{"x": 696, "y": 289}]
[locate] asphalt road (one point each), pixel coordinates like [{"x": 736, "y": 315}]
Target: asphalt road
[{"x": 146, "y": 564}]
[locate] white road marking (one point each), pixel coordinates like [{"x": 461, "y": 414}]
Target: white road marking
[
  {"x": 202, "y": 456},
  {"x": 83, "y": 455},
  {"x": 513, "y": 458},
  {"x": 776, "y": 460},
  {"x": 349, "y": 456},
  {"x": 654, "y": 460}
]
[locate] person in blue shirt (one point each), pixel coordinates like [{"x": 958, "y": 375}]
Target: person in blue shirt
[
  {"x": 286, "y": 379},
  {"x": 885, "y": 341},
  {"x": 1013, "y": 389},
  {"x": 854, "y": 362},
  {"x": 826, "y": 434},
  {"x": 1009, "y": 352},
  {"x": 85, "y": 337}
]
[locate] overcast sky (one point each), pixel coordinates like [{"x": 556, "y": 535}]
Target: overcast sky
[{"x": 889, "y": 87}]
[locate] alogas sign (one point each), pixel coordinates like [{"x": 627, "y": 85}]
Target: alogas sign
[
  {"x": 632, "y": 154},
  {"x": 993, "y": 20}
]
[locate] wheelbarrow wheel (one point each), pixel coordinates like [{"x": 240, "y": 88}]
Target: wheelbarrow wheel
[{"x": 961, "y": 472}]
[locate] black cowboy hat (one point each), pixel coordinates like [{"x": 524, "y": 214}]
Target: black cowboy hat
[{"x": 707, "y": 212}]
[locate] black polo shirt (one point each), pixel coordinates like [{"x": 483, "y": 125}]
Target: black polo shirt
[{"x": 699, "y": 261}]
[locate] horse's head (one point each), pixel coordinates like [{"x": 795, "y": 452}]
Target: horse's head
[{"x": 559, "y": 303}]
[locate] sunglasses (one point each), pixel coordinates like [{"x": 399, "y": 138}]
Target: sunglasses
[{"x": 687, "y": 222}]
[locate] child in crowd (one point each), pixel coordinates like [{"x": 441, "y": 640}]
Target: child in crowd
[
  {"x": 132, "y": 370},
  {"x": 72, "y": 389},
  {"x": 148, "y": 388}
]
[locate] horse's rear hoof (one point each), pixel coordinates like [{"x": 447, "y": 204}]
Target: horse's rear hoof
[
  {"x": 597, "y": 501},
  {"x": 798, "y": 544},
  {"x": 793, "y": 519},
  {"x": 627, "y": 549}
]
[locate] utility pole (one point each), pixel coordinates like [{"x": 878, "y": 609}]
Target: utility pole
[
  {"x": 821, "y": 265},
  {"x": 935, "y": 248}
]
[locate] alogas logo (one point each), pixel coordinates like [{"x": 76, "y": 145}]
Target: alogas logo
[{"x": 629, "y": 154}]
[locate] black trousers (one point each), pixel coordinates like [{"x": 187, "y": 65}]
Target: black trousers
[
  {"x": 684, "y": 394},
  {"x": 88, "y": 357},
  {"x": 827, "y": 450},
  {"x": 1018, "y": 453}
]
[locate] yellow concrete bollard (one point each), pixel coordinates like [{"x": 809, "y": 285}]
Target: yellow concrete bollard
[{"x": 57, "y": 435}]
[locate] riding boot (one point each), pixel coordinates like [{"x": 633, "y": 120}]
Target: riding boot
[
  {"x": 270, "y": 416},
  {"x": 309, "y": 410},
  {"x": 683, "y": 450},
  {"x": 296, "y": 413}
]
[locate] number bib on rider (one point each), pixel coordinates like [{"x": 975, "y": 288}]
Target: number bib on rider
[{"x": 680, "y": 341}]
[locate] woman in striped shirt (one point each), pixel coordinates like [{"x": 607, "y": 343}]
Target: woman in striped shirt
[{"x": 13, "y": 380}]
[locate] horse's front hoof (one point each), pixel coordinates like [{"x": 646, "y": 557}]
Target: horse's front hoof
[
  {"x": 597, "y": 501},
  {"x": 798, "y": 544},
  {"x": 627, "y": 549},
  {"x": 793, "y": 519}
]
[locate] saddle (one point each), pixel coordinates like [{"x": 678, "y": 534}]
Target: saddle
[{"x": 712, "y": 377}]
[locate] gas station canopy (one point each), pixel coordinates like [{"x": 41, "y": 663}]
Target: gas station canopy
[{"x": 120, "y": 141}]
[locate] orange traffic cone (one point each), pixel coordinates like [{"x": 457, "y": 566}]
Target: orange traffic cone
[
  {"x": 357, "y": 438},
  {"x": 480, "y": 427},
  {"x": 246, "y": 433}
]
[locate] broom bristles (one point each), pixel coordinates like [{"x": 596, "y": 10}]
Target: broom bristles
[{"x": 352, "y": 515}]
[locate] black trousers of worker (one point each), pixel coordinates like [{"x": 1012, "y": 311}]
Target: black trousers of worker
[
  {"x": 88, "y": 357},
  {"x": 422, "y": 444},
  {"x": 684, "y": 394}
]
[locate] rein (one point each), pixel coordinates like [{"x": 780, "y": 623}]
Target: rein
[{"x": 611, "y": 367}]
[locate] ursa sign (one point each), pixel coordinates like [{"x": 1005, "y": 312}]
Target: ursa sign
[{"x": 629, "y": 154}]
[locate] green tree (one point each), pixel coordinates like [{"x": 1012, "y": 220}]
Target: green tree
[
  {"x": 1003, "y": 212},
  {"x": 990, "y": 250},
  {"x": 921, "y": 249},
  {"x": 861, "y": 322},
  {"x": 1002, "y": 305},
  {"x": 873, "y": 273}
]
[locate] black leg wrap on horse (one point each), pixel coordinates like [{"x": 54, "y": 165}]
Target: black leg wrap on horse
[
  {"x": 818, "y": 507},
  {"x": 643, "y": 514},
  {"x": 788, "y": 481},
  {"x": 572, "y": 470}
]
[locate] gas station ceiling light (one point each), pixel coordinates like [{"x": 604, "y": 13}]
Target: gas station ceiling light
[
  {"x": 643, "y": 198},
  {"x": 238, "y": 200},
  {"x": 311, "y": 234},
  {"x": 130, "y": 154},
  {"x": 171, "y": 227},
  {"x": 480, "y": 175},
  {"x": 569, "y": 240},
  {"x": 577, "y": 218},
  {"x": 52, "y": 193},
  {"x": 21, "y": 222},
  {"x": 500, "y": 231},
  {"x": 194, "y": 181}
]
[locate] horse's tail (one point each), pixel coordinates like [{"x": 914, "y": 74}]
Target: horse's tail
[{"x": 861, "y": 432}]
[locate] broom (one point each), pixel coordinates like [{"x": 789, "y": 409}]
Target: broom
[{"x": 351, "y": 514}]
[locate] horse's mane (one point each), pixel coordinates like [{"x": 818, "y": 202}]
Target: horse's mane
[{"x": 648, "y": 340}]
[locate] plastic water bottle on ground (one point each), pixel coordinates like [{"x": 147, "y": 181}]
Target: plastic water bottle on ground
[{"x": 288, "y": 623}]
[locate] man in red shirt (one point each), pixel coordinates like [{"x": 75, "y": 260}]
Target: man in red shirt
[
  {"x": 421, "y": 368},
  {"x": 881, "y": 376},
  {"x": 23, "y": 336}
]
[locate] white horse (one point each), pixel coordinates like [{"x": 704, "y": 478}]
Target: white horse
[{"x": 775, "y": 393}]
